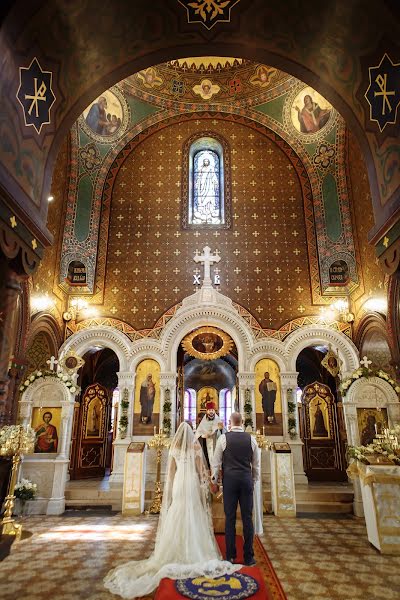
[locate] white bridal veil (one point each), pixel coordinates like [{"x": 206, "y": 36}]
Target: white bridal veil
[{"x": 185, "y": 542}]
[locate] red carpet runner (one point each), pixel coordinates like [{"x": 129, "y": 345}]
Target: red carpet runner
[{"x": 269, "y": 584}]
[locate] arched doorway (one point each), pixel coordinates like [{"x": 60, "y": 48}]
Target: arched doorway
[
  {"x": 322, "y": 428},
  {"x": 208, "y": 365},
  {"x": 95, "y": 415}
]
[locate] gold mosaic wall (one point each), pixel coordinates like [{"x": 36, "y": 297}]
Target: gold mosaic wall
[{"x": 264, "y": 264}]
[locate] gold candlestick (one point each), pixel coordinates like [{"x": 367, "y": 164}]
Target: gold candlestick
[
  {"x": 262, "y": 441},
  {"x": 158, "y": 442},
  {"x": 15, "y": 440}
]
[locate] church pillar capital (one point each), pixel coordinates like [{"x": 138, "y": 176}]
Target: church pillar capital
[
  {"x": 168, "y": 379},
  {"x": 289, "y": 379},
  {"x": 126, "y": 379}
]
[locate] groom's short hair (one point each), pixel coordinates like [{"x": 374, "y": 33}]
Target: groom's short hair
[{"x": 236, "y": 419}]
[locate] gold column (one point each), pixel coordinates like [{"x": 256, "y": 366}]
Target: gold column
[
  {"x": 158, "y": 442},
  {"x": 15, "y": 440}
]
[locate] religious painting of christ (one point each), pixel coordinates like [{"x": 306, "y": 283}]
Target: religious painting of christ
[
  {"x": 207, "y": 343},
  {"x": 147, "y": 397},
  {"x": 268, "y": 397},
  {"x": 46, "y": 423}
]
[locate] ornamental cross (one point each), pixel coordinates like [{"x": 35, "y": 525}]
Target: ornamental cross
[
  {"x": 365, "y": 362},
  {"x": 52, "y": 363},
  {"x": 208, "y": 259}
]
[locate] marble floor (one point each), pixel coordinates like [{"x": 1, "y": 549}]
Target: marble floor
[{"x": 315, "y": 558}]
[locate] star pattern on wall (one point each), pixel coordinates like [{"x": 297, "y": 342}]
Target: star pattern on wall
[{"x": 263, "y": 263}]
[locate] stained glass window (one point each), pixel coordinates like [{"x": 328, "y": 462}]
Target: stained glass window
[
  {"x": 206, "y": 188},
  {"x": 206, "y": 183}
]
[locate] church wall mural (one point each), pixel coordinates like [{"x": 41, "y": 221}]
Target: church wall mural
[
  {"x": 268, "y": 395},
  {"x": 147, "y": 397},
  {"x": 140, "y": 203}
]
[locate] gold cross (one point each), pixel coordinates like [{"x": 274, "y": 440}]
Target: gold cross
[
  {"x": 34, "y": 244},
  {"x": 13, "y": 221},
  {"x": 39, "y": 94},
  {"x": 385, "y": 241}
]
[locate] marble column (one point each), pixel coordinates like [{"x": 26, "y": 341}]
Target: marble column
[
  {"x": 247, "y": 382},
  {"x": 126, "y": 386},
  {"x": 168, "y": 382},
  {"x": 289, "y": 387}
]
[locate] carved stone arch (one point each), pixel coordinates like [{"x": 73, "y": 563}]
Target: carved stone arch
[
  {"x": 366, "y": 386},
  {"x": 44, "y": 340},
  {"x": 314, "y": 335},
  {"x": 44, "y": 383},
  {"x": 143, "y": 349},
  {"x": 46, "y": 323},
  {"x": 194, "y": 313},
  {"x": 372, "y": 340},
  {"x": 269, "y": 349},
  {"x": 105, "y": 337}
]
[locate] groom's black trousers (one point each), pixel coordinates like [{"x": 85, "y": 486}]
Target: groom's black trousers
[{"x": 238, "y": 489}]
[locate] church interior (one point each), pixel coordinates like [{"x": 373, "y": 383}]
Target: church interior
[{"x": 200, "y": 213}]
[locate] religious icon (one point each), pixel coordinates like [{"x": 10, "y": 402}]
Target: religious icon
[
  {"x": 206, "y": 89},
  {"x": 319, "y": 422},
  {"x": 146, "y": 399},
  {"x": 371, "y": 422},
  {"x": 263, "y": 76},
  {"x": 268, "y": 389},
  {"x": 71, "y": 362},
  {"x": 207, "y": 343},
  {"x": 310, "y": 111},
  {"x": 331, "y": 363},
  {"x": 150, "y": 78},
  {"x": 104, "y": 116},
  {"x": 43, "y": 420},
  {"x": 94, "y": 418}
]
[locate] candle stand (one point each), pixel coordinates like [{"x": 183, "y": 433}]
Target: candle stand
[
  {"x": 159, "y": 441},
  {"x": 15, "y": 440}
]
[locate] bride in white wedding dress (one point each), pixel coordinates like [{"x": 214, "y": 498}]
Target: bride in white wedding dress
[{"x": 185, "y": 542}]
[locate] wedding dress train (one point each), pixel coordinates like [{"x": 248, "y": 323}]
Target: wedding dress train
[{"x": 185, "y": 542}]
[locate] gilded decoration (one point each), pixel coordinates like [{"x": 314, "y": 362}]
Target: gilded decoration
[
  {"x": 124, "y": 213},
  {"x": 208, "y": 12},
  {"x": 71, "y": 362},
  {"x": 35, "y": 95},
  {"x": 383, "y": 93},
  {"x": 207, "y": 343}
]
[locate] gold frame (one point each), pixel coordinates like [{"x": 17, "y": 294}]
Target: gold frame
[
  {"x": 71, "y": 354},
  {"x": 227, "y": 343}
]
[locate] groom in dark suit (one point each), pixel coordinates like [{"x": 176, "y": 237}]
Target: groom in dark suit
[{"x": 236, "y": 452}]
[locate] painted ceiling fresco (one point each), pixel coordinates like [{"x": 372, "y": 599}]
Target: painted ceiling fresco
[{"x": 287, "y": 149}]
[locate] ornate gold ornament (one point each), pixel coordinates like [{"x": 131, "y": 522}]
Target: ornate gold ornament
[
  {"x": 71, "y": 362},
  {"x": 207, "y": 343},
  {"x": 332, "y": 363}
]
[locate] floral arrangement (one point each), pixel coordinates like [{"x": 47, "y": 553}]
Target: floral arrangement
[
  {"x": 388, "y": 446},
  {"x": 16, "y": 438},
  {"x": 363, "y": 371},
  {"x": 291, "y": 415},
  {"x": 25, "y": 490},
  {"x": 69, "y": 382},
  {"x": 123, "y": 419},
  {"x": 248, "y": 410},
  {"x": 167, "y": 412}
]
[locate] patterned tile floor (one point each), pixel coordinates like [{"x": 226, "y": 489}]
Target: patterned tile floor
[{"x": 315, "y": 559}]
